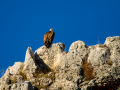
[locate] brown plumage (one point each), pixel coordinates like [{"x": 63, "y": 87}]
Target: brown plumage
[{"x": 48, "y": 38}]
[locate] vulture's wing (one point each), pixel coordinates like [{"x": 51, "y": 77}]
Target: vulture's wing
[{"x": 48, "y": 38}]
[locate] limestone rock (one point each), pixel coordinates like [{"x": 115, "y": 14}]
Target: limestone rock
[
  {"x": 104, "y": 59},
  {"x": 22, "y": 86},
  {"x": 45, "y": 81},
  {"x": 4, "y": 80},
  {"x": 15, "y": 69},
  {"x": 69, "y": 71},
  {"x": 16, "y": 78},
  {"x": 110, "y": 41},
  {"x": 50, "y": 56},
  {"x": 7, "y": 73},
  {"x": 30, "y": 66},
  {"x": 99, "y": 56}
]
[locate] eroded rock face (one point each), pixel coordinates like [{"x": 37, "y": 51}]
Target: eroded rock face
[
  {"x": 15, "y": 69},
  {"x": 72, "y": 70},
  {"x": 22, "y": 86},
  {"x": 29, "y": 64},
  {"x": 69, "y": 73},
  {"x": 45, "y": 81},
  {"x": 99, "y": 56},
  {"x": 103, "y": 59},
  {"x": 4, "y": 80},
  {"x": 50, "y": 56}
]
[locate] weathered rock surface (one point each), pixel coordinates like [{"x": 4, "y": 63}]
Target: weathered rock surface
[
  {"x": 45, "y": 81},
  {"x": 50, "y": 56},
  {"x": 5, "y": 81},
  {"x": 29, "y": 64},
  {"x": 22, "y": 86},
  {"x": 82, "y": 68},
  {"x": 102, "y": 59},
  {"x": 69, "y": 72},
  {"x": 15, "y": 69}
]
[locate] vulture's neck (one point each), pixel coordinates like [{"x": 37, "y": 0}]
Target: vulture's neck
[{"x": 51, "y": 31}]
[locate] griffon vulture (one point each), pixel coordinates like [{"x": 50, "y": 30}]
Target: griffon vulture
[{"x": 48, "y": 38}]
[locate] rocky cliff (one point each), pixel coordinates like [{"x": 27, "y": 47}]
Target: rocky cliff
[{"x": 81, "y": 68}]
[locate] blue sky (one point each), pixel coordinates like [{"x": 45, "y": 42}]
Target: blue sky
[{"x": 24, "y": 22}]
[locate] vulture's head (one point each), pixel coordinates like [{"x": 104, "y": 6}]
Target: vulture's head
[{"x": 51, "y": 29}]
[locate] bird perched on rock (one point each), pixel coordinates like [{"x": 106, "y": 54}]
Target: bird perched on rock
[{"x": 48, "y": 38}]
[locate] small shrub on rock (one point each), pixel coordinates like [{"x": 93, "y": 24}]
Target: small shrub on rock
[{"x": 87, "y": 70}]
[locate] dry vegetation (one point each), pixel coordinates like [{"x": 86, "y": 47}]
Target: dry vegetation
[
  {"x": 87, "y": 70},
  {"x": 38, "y": 75},
  {"x": 102, "y": 46},
  {"x": 109, "y": 62},
  {"x": 44, "y": 74},
  {"x": 22, "y": 73},
  {"x": 14, "y": 80}
]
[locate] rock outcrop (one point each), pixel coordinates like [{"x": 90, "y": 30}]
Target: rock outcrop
[
  {"x": 50, "y": 56},
  {"x": 81, "y": 68}
]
